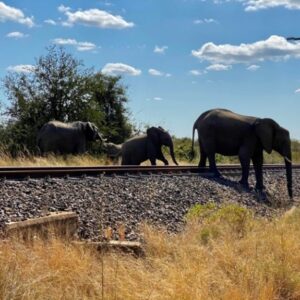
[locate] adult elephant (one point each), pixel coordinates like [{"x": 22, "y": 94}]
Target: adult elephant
[
  {"x": 147, "y": 146},
  {"x": 67, "y": 138},
  {"x": 225, "y": 132}
]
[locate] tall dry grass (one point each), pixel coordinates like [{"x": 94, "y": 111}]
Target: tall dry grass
[
  {"x": 60, "y": 160},
  {"x": 222, "y": 254},
  {"x": 52, "y": 160}
]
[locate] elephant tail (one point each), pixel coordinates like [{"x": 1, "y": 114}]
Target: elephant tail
[{"x": 192, "y": 152}]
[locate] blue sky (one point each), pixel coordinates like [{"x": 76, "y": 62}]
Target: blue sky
[{"x": 178, "y": 58}]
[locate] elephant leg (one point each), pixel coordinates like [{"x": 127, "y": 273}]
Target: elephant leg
[
  {"x": 203, "y": 156},
  {"x": 207, "y": 150},
  {"x": 213, "y": 166},
  {"x": 77, "y": 149},
  {"x": 125, "y": 160},
  {"x": 152, "y": 152},
  {"x": 161, "y": 157},
  {"x": 257, "y": 160},
  {"x": 153, "y": 161},
  {"x": 245, "y": 163},
  {"x": 202, "y": 163}
]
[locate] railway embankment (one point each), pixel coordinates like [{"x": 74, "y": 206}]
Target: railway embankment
[{"x": 120, "y": 203}]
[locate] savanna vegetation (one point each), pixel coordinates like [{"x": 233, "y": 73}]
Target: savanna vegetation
[
  {"x": 223, "y": 253},
  {"x": 60, "y": 87}
]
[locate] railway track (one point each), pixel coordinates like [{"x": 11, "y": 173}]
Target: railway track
[{"x": 42, "y": 172}]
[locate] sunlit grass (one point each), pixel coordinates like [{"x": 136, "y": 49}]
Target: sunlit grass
[
  {"x": 53, "y": 160},
  {"x": 93, "y": 160},
  {"x": 222, "y": 254},
  {"x": 68, "y": 160}
]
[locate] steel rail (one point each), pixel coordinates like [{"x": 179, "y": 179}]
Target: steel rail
[{"x": 75, "y": 171}]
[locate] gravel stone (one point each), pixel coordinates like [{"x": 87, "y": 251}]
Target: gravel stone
[{"x": 123, "y": 203}]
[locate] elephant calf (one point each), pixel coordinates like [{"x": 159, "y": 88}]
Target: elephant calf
[
  {"x": 225, "y": 132},
  {"x": 67, "y": 138},
  {"x": 148, "y": 146}
]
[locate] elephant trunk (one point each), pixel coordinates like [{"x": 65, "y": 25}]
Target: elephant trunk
[
  {"x": 172, "y": 153},
  {"x": 104, "y": 145},
  {"x": 288, "y": 166},
  {"x": 101, "y": 138}
]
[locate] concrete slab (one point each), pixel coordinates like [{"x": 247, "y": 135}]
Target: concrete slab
[{"x": 58, "y": 224}]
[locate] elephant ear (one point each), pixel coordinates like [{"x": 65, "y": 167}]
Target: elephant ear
[
  {"x": 89, "y": 130},
  {"x": 264, "y": 129},
  {"x": 153, "y": 135}
]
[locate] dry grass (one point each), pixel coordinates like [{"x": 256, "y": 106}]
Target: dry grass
[
  {"x": 223, "y": 254},
  {"x": 69, "y": 160},
  {"x": 90, "y": 160},
  {"x": 52, "y": 160}
]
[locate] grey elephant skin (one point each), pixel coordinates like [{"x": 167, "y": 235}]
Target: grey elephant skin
[
  {"x": 148, "y": 146},
  {"x": 67, "y": 138},
  {"x": 227, "y": 133}
]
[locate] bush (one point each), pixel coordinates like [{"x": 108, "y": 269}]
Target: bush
[
  {"x": 61, "y": 88},
  {"x": 232, "y": 218}
]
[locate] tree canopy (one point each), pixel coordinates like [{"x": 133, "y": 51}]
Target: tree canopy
[{"x": 59, "y": 87}]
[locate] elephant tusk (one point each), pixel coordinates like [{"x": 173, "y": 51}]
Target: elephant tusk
[{"x": 287, "y": 159}]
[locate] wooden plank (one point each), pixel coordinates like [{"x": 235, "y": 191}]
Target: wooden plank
[
  {"x": 59, "y": 224},
  {"x": 113, "y": 245}
]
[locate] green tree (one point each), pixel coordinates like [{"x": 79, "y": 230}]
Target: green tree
[
  {"x": 109, "y": 94},
  {"x": 60, "y": 88}
]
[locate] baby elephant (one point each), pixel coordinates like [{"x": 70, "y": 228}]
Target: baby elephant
[
  {"x": 67, "y": 138},
  {"x": 148, "y": 146}
]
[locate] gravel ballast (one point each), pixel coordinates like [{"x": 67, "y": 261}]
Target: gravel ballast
[{"x": 128, "y": 201}]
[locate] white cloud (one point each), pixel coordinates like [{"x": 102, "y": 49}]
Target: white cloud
[
  {"x": 120, "y": 69},
  {"x": 218, "y": 67},
  {"x": 154, "y": 99},
  {"x": 80, "y": 46},
  {"x": 297, "y": 91},
  {"x": 160, "y": 50},
  {"x": 155, "y": 72},
  {"x": 9, "y": 13},
  {"x": 16, "y": 35},
  {"x": 85, "y": 46},
  {"x": 274, "y": 48},
  {"x": 254, "y": 5},
  {"x": 50, "y": 22},
  {"x": 253, "y": 68},
  {"x": 63, "y": 8},
  {"x": 21, "y": 68},
  {"x": 205, "y": 21},
  {"x": 94, "y": 17},
  {"x": 196, "y": 72}
]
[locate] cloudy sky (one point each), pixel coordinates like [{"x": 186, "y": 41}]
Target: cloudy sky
[{"x": 178, "y": 58}]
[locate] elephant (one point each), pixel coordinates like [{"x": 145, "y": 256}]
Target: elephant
[
  {"x": 225, "y": 132},
  {"x": 147, "y": 146},
  {"x": 67, "y": 138},
  {"x": 113, "y": 151}
]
